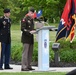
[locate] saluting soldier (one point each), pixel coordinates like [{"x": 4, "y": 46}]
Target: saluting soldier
[
  {"x": 5, "y": 40},
  {"x": 27, "y": 28}
]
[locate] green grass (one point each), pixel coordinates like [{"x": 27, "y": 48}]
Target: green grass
[
  {"x": 32, "y": 73},
  {"x": 16, "y": 34}
]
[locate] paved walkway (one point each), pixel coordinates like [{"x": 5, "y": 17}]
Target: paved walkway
[{"x": 17, "y": 68}]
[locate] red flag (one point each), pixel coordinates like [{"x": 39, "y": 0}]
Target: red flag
[
  {"x": 71, "y": 34},
  {"x": 71, "y": 22},
  {"x": 66, "y": 11},
  {"x": 35, "y": 15},
  {"x": 61, "y": 33},
  {"x": 66, "y": 27}
]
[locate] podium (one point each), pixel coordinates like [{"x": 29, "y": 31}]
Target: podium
[{"x": 43, "y": 48}]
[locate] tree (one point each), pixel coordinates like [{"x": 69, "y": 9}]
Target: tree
[{"x": 51, "y": 8}]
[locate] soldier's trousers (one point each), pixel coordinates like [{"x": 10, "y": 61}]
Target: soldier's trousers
[
  {"x": 27, "y": 55},
  {"x": 4, "y": 54}
]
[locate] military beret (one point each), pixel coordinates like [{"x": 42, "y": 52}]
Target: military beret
[
  {"x": 32, "y": 9},
  {"x": 6, "y": 10}
]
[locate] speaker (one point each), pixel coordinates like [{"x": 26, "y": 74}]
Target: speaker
[
  {"x": 56, "y": 46},
  {"x": 73, "y": 72}
]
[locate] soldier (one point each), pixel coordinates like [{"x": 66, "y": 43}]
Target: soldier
[
  {"x": 27, "y": 28},
  {"x": 5, "y": 39}
]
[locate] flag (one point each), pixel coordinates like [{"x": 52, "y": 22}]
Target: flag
[
  {"x": 35, "y": 15},
  {"x": 71, "y": 30},
  {"x": 66, "y": 26},
  {"x": 72, "y": 19},
  {"x": 39, "y": 14}
]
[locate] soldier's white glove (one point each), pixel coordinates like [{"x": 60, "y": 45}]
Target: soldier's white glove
[{"x": 32, "y": 32}]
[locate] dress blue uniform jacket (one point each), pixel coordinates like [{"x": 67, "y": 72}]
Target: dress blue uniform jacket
[{"x": 5, "y": 25}]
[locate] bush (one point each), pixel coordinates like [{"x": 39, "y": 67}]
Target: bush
[
  {"x": 16, "y": 52},
  {"x": 67, "y": 52},
  {"x": 35, "y": 52}
]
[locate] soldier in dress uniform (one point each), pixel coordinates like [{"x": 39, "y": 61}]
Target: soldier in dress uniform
[
  {"x": 5, "y": 40},
  {"x": 27, "y": 28}
]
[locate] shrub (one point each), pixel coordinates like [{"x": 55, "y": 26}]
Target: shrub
[
  {"x": 16, "y": 52},
  {"x": 67, "y": 52}
]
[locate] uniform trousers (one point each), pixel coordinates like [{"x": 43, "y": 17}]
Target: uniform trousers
[
  {"x": 4, "y": 54},
  {"x": 27, "y": 55}
]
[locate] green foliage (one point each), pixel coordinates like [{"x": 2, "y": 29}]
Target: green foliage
[
  {"x": 68, "y": 51},
  {"x": 68, "y": 56},
  {"x": 52, "y": 9},
  {"x": 16, "y": 52},
  {"x": 51, "y": 53},
  {"x": 35, "y": 52},
  {"x": 17, "y": 49}
]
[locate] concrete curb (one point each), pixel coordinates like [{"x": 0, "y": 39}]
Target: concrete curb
[{"x": 17, "y": 68}]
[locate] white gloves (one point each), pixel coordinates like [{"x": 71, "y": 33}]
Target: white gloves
[{"x": 32, "y": 32}]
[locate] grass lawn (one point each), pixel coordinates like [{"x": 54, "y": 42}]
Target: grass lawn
[{"x": 37, "y": 73}]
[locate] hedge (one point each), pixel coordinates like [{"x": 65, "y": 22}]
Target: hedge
[{"x": 67, "y": 52}]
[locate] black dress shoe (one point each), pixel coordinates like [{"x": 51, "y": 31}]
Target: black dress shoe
[
  {"x": 26, "y": 69},
  {"x": 1, "y": 68},
  {"x": 31, "y": 69},
  {"x": 8, "y": 68}
]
